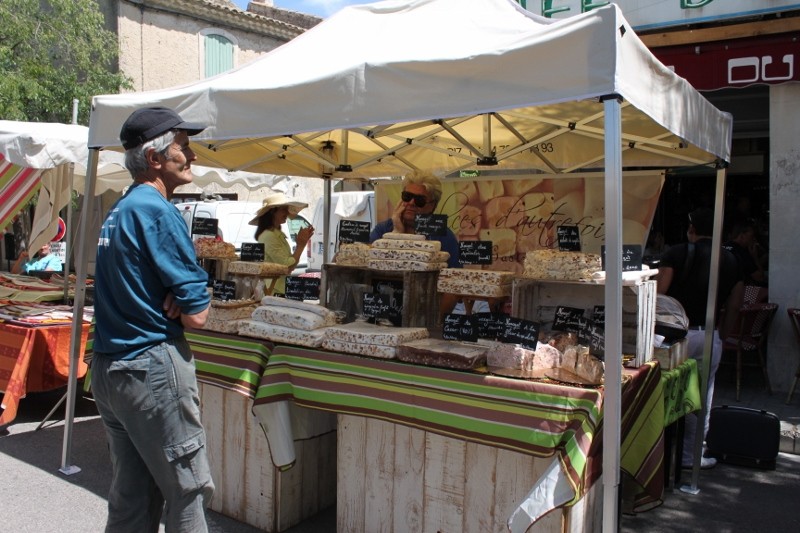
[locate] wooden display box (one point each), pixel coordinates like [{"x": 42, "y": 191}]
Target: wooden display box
[
  {"x": 420, "y": 297},
  {"x": 249, "y": 488},
  {"x": 536, "y": 300},
  {"x": 672, "y": 355}
]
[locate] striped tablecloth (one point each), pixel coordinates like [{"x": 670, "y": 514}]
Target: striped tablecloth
[
  {"x": 34, "y": 359},
  {"x": 541, "y": 419},
  {"x": 229, "y": 361}
]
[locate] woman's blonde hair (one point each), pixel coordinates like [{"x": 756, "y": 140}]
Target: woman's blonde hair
[{"x": 428, "y": 180}]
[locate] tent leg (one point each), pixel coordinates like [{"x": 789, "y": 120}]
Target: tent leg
[{"x": 53, "y": 410}]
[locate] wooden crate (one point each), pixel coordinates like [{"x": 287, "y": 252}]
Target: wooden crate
[
  {"x": 249, "y": 488},
  {"x": 397, "y": 479},
  {"x": 537, "y": 300},
  {"x": 420, "y": 298},
  {"x": 672, "y": 355}
]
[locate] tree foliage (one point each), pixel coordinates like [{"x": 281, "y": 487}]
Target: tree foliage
[{"x": 51, "y": 52}]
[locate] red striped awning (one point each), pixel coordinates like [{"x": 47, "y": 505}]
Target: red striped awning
[{"x": 17, "y": 186}]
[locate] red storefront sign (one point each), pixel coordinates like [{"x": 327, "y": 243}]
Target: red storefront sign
[{"x": 735, "y": 63}]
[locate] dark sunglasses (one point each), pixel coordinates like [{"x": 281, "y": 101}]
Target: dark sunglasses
[{"x": 420, "y": 200}]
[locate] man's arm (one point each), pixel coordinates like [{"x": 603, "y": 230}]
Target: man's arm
[
  {"x": 171, "y": 309},
  {"x": 664, "y": 279},
  {"x": 730, "y": 312}
]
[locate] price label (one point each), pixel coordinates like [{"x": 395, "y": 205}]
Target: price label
[
  {"x": 353, "y": 231},
  {"x": 204, "y": 226},
  {"x": 631, "y": 257},
  {"x": 569, "y": 238},
  {"x": 223, "y": 289},
  {"x": 300, "y": 288},
  {"x": 460, "y": 328},
  {"x": 522, "y": 332},
  {"x": 475, "y": 252},
  {"x": 568, "y": 319},
  {"x": 252, "y": 251},
  {"x": 431, "y": 225},
  {"x": 376, "y": 305}
]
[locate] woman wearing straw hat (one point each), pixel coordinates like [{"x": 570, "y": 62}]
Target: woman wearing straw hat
[{"x": 274, "y": 212}]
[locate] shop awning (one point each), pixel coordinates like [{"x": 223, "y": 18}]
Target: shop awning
[{"x": 18, "y": 184}]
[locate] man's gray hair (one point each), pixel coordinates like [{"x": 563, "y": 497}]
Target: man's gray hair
[
  {"x": 136, "y": 158},
  {"x": 428, "y": 180}
]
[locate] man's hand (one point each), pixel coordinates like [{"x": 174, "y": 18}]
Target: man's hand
[
  {"x": 170, "y": 308},
  {"x": 397, "y": 217}
]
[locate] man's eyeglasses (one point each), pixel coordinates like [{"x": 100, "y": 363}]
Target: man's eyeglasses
[{"x": 420, "y": 200}]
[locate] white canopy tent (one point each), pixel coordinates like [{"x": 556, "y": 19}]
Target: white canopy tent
[{"x": 442, "y": 85}]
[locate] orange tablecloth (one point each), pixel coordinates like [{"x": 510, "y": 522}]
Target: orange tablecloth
[{"x": 34, "y": 359}]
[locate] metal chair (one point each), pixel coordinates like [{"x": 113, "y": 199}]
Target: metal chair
[
  {"x": 751, "y": 335},
  {"x": 794, "y": 318}
]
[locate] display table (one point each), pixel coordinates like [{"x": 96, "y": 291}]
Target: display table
[
  {"x": 34, "y": 359},
  {"x": 429, "y": 449},
  {"x": 249, "y": 487}
]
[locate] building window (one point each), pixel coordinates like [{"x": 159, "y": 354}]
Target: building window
[{"x": 218, "y": 49}]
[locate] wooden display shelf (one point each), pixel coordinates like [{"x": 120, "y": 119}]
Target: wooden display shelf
[
  {"x": 420, "y": 297},
  {"x": 536, "y": 300}
]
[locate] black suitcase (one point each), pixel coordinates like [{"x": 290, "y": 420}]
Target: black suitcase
[{"x": 744, "y": 436}]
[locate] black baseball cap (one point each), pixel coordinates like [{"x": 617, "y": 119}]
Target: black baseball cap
[
  {"x": 702, "y": 219},
  {"x": 148, "y": 123}
]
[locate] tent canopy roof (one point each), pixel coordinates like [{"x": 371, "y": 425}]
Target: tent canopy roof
[{"x": 443, "y": 85}]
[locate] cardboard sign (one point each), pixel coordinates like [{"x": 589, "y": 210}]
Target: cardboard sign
[
  {"x": 568, "y": 319},
  {"x": 300, "y": 288},
  {"x": 491, "y": 325},
  {"x": 475, "y": 252},
  {"x": 205, "y": 226},
  {"x": 223, "y": 289},
  {"x": 353, "y": 231},
  {"x": 430, "y": 225},
  {"x": 522, "y": 332},
  {"x": 375, "y": 305},
  {"x": 569, "y": 238},
  {"x": 631, "y": 257},
  {"x": 460, "y": 328},
  {"x": 252, "y": 251}
]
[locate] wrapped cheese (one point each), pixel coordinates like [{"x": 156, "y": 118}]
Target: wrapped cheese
[
  {"x": 485, "y": 277},
  {"x": 222, "y": 326},
  {"x": 231, "y": 309},
  {"x": 211, "y": 248},
  {"x": 443, "y": 353},
  {"x": 370, "y": 350},
  {"x": 317, "y": 309},
  {"x": 254, "y": 268},
  {"x": 472, "y": 289},
  {"x": 292, "y": 318},
  {"x": 558, "y": 265},
  {"x": 365, "y": 333},
  {"x": 397, "y": 236},
  {"x": 409, "y": 255},
  {"x": 396, "y": 244},
  {"x": 275, "y": 333},
  {"x": 388, "y": 264}
]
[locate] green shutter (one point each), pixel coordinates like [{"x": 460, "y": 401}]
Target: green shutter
[{"x": 219, "y": 55}]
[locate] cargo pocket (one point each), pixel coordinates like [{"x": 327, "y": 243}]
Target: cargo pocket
[
  {"x": 190, "y": 463},
  {"x": 130, "y": 383}
]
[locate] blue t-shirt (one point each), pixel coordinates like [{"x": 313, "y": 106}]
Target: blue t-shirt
[
  {"x": 48, "y": 262},
  {"x": 448, "y": 240},
  {"x": 144, "y": 252}
]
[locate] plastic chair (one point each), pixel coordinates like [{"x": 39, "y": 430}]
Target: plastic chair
[
  {"x": 751, "y": 335},
  {"x": 794, "y": 318}
]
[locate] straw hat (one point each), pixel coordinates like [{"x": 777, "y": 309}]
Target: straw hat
[{"x": 277, "y": 200}]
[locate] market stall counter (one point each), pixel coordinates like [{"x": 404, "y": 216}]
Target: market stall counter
[
  {"x": 418, "y": 446},
  {"x": 249, "y": 487}
]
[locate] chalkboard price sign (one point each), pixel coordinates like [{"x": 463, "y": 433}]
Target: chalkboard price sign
[
  {"x": 376, "y": 305},
  {"x": 223, "y": 289},
  {"x": 353, "y": 231},
  {"x": 594, "y": 336},
  {"x": 567, "y": 319},
  {"x": 522, "y": 332},
  {"x": 491, "y": 325},
  {"x": 599, "y": 315},
  {"x": 204, "y": 226},
  {"x": 475, "y": 252},
  {"x": 460, "y": 328},
  {"x": 299, "y": 288},
  {"x": 569, "y": 238},
  {"x": 252, "y": 251},
  {"x": 631, "y": 257},
  {"x": 431, "y": 225}
]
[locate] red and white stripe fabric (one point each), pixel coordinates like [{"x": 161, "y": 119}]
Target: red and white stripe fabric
[{"x": 18, "y": 184}]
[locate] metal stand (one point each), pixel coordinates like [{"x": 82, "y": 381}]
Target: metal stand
[{"x": 53, "y": 410}]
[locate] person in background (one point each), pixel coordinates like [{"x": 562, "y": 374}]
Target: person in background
[
  {"x": 276, "y": 209},
  {"x": 683, "y": 273},
  {"x": 744, "y": 245},
  {"x": 148, "y": 288},
  {"x": 421, "y": 194},
  {"x": 42, "y": 261}
]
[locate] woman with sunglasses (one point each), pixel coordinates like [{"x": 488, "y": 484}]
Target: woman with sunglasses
[{"x": 421, "y": 194}]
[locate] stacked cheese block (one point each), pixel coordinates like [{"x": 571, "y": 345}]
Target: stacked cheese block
[
  {"x": 563, "y": 266},
  {"x": 402, "y": 251},
  {"x": 482, "y": 283},
  {"x": 257, "y": 268},
  {"x": 443, "y": 353},
  {"x": 211, "y": 248},
  {"x": 290, "y": 321},
  {"x": 224, "y": 315},
  {"x": 353, "y": 254},
  {"x": 362, "y": 338}
]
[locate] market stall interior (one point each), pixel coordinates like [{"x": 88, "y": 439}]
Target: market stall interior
[{"x": 495, "y": 88}]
